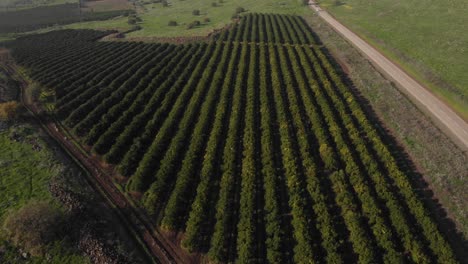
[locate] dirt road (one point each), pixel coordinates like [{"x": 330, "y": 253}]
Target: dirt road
[{"x": 444, "y": 117}]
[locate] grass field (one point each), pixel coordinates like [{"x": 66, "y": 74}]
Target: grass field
[
  {"x": 427, "y": 37},
  {"x": 24, "y": 176},
  {"x": 156, "y": 17}
]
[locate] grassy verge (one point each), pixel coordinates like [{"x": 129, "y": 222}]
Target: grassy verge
[
  {"x": 429, "y": 42},
  {"x": 442, "y": 164}
]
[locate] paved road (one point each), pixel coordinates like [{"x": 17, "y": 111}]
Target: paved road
[{"x": 447, "y": 120}]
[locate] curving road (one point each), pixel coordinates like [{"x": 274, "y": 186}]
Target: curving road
[{"x": 446, "y": 119}]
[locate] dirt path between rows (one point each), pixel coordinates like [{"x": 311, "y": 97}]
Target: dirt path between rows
[
  {"x": 161, "y": 247},
  {"x": 443, "y": 116}
]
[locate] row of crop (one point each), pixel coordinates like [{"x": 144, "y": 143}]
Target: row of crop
[
  {"x": 223, "y": 239},
  {"x": 358, "y": 187},
  {"x": 287, "y": 165},
  {"x": 75, "y": 95},
  {"x": 269, "y": 28},
  {"x": 131, "y": 153},
  {"x": 50, "y": 56},
  {"x": 247, "y": 226},
  {"x": 43, "y": 64},
  {"x": 188, "y": 102},
  {"x": 201, "y": 210},
  {"x": 277, "y": 228},
  {"x": 189, "y": 138},
  {"x": 325, "y": 230},
  {"x": 403, "y": 211},
  {"x": 304, "y": 247},
  {"x": 85, "y": 66},
  {"x": 209, "y": 122},
  {"x": 67, "y": 90},
  {"x": 104, "y": 133},
  {"x": 136, "y": 135},
  {"x": 130, "y": 89},
  {"x": 374, "y": 211},
  {"x": 100, "y": 76},
  {"x": 72, "y": 65},
  {"x": 114, "y": 94},
  {"x": 358, "y": 175},
  {"x": 25, "y": 49},
  {"x": 92, "y": 97}
]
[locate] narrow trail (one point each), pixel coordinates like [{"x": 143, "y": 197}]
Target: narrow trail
[
  {"x": 443, "y": 116},
  {"x": 158, "y": 245}
]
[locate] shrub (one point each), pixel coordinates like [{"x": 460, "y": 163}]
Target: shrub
[
  {"x": 132, "y": 20},
  {"x": 214, "y": 4},
  {"x": 193, "y": 24},
  {"x": 172, "y": 23},
  {"x": 34, "y": 226},
  {"x": 237, "y": 12},
  {"x": 9, "y": 110},
  {"x": 136, "y": 28},
  {"x": 196, "y": 12},
  {"x": 240, "y": 10},
  {"x": 206, "y": 19}
]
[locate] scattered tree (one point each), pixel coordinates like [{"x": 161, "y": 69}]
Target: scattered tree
[
  {"x": 237, "y": 12},
  {"x": 193, "y": 24},
  {"x": 240, "y": 10},
  {"x": 132, "y": 20}
]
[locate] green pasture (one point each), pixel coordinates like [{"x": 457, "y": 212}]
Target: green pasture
[
  {"x": 156, "y": 17},
  {"x": 428, "y": 38}
]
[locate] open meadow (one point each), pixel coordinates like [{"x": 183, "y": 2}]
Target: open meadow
[{"x": 427, "y": 37}]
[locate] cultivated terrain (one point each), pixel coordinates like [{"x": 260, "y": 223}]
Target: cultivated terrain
[{"x": 237, "y": 131}]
